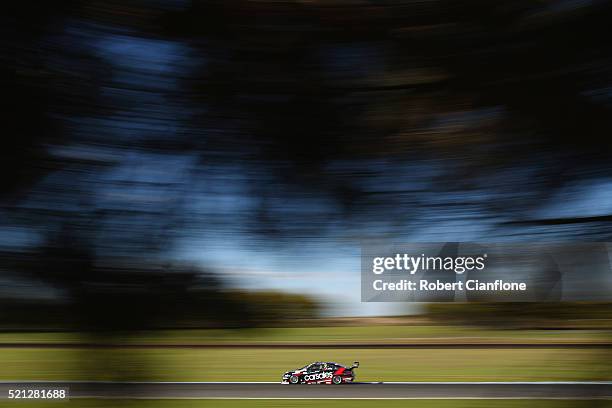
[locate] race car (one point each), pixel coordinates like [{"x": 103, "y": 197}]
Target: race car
[{"x": 321, "y": 373}]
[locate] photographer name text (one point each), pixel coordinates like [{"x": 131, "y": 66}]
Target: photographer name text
[{"x": 437, "y": 285}]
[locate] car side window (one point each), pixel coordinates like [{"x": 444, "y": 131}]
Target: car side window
[{"x": 314, "y": 367}]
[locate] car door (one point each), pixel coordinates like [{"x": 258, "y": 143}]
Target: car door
[
  {"x": 328, "y": 371},
  {"x": 313, "y": 373}
]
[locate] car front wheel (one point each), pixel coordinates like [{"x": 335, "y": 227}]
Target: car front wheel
[{"x": 294, "y": 379}]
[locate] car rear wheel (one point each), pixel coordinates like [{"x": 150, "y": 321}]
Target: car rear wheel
[
  {"x": 294, "y": 379},
  {"x": 337, "y": 379}
]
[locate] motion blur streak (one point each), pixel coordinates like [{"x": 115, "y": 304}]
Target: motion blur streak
[{"x": 169, "y": 157}]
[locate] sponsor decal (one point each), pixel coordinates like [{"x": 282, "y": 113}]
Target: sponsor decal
[{"x": 319, "y": 376}]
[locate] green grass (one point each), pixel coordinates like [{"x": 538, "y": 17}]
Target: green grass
[
  {"x": 246, "y": 364},
  {"x": 376, "y": 333},
  {"x": 310, "y": 404},
  {"x": 267, "y": 364}
]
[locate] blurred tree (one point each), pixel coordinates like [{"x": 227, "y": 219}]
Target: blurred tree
[{"x": 315, "y": 119}]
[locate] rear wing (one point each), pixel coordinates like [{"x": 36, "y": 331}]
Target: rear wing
[{"x": 355, "y": 365}]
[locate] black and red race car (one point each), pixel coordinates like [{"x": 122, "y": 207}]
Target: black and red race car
[{"x": 321, "y": 373}]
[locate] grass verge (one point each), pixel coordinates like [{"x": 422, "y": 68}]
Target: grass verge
[
  {"x": 244, "y": 364},
  {"x": 340, "y": 335}
]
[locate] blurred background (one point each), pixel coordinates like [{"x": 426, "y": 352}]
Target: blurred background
[{"x": 196, "y": 172}]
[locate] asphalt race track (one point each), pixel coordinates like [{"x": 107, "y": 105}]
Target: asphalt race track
[{"x": 267, "y": 390}]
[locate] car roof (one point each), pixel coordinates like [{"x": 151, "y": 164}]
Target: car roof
[{"x": 325, "y": 362}]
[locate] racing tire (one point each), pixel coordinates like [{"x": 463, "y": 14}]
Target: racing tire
[
  {"x": 294, "y": 379},
  {"x": 336, "y": 379}
]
